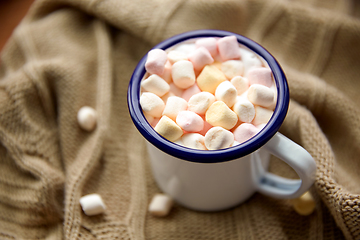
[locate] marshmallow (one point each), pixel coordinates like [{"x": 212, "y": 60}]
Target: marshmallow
[
  {"x": 244, "y": 132},
  {"x": 244, "y": 109},
  {"x": 156, "y": 85},
  {"x": 304, "y": 205},
  {"x": 250, "y": 60},
  {"x": 209, "y": 43},
  {"x": 240, "y": 83},
  {"x": 260, "y": 76},
  {"x": 183, "y": 74},
  {"x": 190, "y": 121},
  {"x": 200, "y": 102},
  {"x": 176, "y": 90},
  {"x": 160, "y": 205},
  {"x": 232, "y": 68},
  {"x": 173, "y": 106},
  {"x": 260, "y": 95},
  {"x": 86, "y": 118},
  {"x": 206, "y": 128},
  {"x": 209, "y": 78},
  {"x": 166, "y": 96},
  {"x": 175, "y": 56},
  {"x": 167, "y": 128},
  {"x": 188, "y": 93},
  {"x": 152, "y": 104},
  {"x": 200, "y": 57},
  {"x": 155, "y": 62},
  {"x": 228, "y": 48},
  {"x": 186, "y": 48},
  {"x": 194, "y": 140},
  {"x": 167, "y": 72},
  {"x": 92, "y": 204},
  {"x": 218, "y": 138},
  {"x": 262, "y": 115},
  {"x": 227, "y": 93},
  {"x": 220, "y": 115}
]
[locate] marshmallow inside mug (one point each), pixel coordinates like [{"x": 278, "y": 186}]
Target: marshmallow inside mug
[{"x": 210, "y": 156}]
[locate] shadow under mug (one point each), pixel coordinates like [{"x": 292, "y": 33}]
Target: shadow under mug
[{"x": 214, "y": 180}]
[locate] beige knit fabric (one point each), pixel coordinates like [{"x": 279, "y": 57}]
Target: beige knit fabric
[{"x": 71, "y": 53}]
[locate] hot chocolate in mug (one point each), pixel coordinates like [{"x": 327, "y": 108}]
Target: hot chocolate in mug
[{"x": 214, "y": 180}]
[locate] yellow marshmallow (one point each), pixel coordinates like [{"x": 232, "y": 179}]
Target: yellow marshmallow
[
  {"x": 209, "y": 78},
  {"x": 304, "y": 205},
  {"x": 220, "y": 115},
  {"x": 168, "y": 129}
]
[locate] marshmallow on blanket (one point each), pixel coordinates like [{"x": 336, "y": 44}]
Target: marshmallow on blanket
[
  {"x": 244, "y": 109},
  {"x": 209, "y": 43},
  {"x": 209, "y": 78},
  {"x": 244, "y": 132},
  {"x": 218, "y": 138},
  {"x": 260, "y": 75},
  {"x": 190, "y": 121},
  {"x": 219, "y": 114},
  {"x": 155, "y": 62},
  {"x": 228, "y": 48},
  {"x": 155, "y": 84},
  {"x": 173, "y": 106},
  {"x": 260, "y": 95},
  {"x": 160, "y": 205},
  {"x": 240, "y": 83},
  {"x": 262, "y": 115},
  {"x": 232, "y": 68},
  {"x": 194, "y": 140},
  {"x": 167, "y": 128},
  {"x": 227, "y": 93},
  {"x": 304, "y": 205},
  {"x": 200, "y": 102},
  {"x": 183, "y": 74},
  {"x": 152, "y": 104},
  {"x": 200, "y": 57}
]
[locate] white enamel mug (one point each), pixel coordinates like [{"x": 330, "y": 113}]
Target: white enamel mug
[{"x": 216, "y": 180}]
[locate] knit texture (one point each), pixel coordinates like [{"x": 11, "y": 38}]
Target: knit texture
[{"x": 70, "y": 53}]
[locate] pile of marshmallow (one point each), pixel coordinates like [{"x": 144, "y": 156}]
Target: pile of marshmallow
[{"x": 208, "y": 94}]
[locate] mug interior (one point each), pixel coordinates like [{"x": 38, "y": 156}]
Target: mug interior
[{"x": 210, "y": 156}]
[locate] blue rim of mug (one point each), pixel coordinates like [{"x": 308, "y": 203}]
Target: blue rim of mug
[{"x": 209, "y": 156}]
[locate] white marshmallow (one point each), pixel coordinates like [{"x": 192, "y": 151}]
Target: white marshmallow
[
  {"x": 160, "y": 205},
  {"x": 232, "y": 68},
  {"x": 228, "y": 48},
  {"x": 186, "y": 48},
  {"x": 244, "y": 132},
  {"x": 188, "y": 93},
  {"x": 155, "y": 62},
  {"x": 250, "y": 60},
  {"x": 209, "y": 43},
  {"x": 209, "y": 78},
  {"x": 200, "y": 57},
  {"x": 240, "y": 83},
  {"x": 173, "y": 106},
  {"x": 244, "y": 109},
  {"x": 175, "y": 56},
  {"x": 167, "y": 95},
  {"x": 200, "y": 102},
  {"x": 304, "y": 205},
  {"x": 260, "y": 76},
  {"x": 167, "y": 128},
  {"x": 156, "y": 85},
  {"x": 86, "y": 118},
  {"x": 183, "y": 74},
  {"x": 152, "y": 104},
  {"x": 190, "y": 121},
  {"x": 92, "y": 204},
  {"x": 260, "y": 95},
  {"x": 262, "y": 115},
  {"x": 218, "y": 138},
  {"x": 227, "y": 93},
  {"x": 220, "y": 115},
  {"x": 194, "y": 140}
]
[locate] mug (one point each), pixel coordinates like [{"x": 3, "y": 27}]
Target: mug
[{"x": 215, "y": 180}]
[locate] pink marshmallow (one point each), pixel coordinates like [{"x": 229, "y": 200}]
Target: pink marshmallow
[
  {"x": 155, "y": 62},
  {"x": 261, "y": 76},
  {"x": 188, "y": 93},
  {"x": 228, "y": 48},
  {"x": 190, "y": 121},
  {"x": 244, "y": 132},
  {"x": 200, "y": 57},
  {"x": 208, "y": 43}
]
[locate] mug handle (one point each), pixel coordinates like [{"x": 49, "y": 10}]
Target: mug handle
[{"x": 295, "y": 156}]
